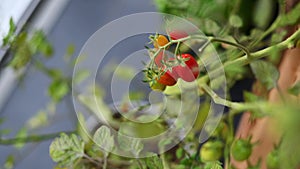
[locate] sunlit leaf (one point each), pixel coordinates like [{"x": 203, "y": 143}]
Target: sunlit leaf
[
  {"x": 235, "y": 21},
  {"x": 295, "y": 90},
  {"x": 292, "y": 17},
  {"x": 81, "y": 75},
  {"x": 263, "y": 12},
  {"x": 58, "y": 89},
  {"x": 213, "y": 165},
  {"x": 154, "y": 162},
  {"x": 103, "y": 138},
  {"x": 23, "y": 132},
  {"x": 10, "y": 35},
  {"x": 38, "y": 120},
  {"x": 265, "y": 72},
  {"x": 9, "y": 162},
  {"x": 66, "y": 149}
]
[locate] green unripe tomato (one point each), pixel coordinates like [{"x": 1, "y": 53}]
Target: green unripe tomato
[
  {"x": 241, "y": 149},
  {"x": 273, "y": 160},
  {"x": 211, "y": 151}
]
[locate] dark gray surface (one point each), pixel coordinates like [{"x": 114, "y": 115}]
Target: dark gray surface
[{"x": 79, "y": 21}]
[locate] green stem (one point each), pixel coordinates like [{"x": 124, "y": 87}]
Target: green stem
[
  {"x": 243, "y": 48},
  {"x": 244, "y": 60},
  {"x": 164, "y": 161},
  {"x": 32, "y": 138},
  {"x": 140, "y": 164},
  {"x": 234, "y": 105},
  {"x": 105, "y": 163},
  {"x": 96, "y": 162}
]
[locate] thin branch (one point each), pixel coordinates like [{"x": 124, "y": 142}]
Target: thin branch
[
  {"x": 243, "y": 48},
  {"x": 234, "y": 105},
  {"x": 32, "y": 138},
  {"x": 244, "y": 60}
]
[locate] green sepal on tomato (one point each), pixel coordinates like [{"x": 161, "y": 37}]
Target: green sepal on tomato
[
  {"x": 168, "y": 79},
  {"x": 190, "y": 71}
]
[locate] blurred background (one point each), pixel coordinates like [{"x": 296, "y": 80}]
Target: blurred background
[{"x": 64, "y": 22}]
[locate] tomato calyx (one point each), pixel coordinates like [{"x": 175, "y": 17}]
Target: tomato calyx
[{"x": 190, "y": 71}]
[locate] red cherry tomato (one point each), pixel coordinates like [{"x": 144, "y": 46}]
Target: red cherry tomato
[
  {"x": 167, "y": 79},
  {"x": 190, "y": 71},
  {"x": 158, "y": 59},
  {"x": 178, "y": 34}
]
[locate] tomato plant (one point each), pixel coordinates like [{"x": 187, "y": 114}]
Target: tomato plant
[{"x": 254, "y": 48}]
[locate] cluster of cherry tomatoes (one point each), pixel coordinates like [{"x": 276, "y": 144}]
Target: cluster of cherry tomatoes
[{"x": 188, "y": 71}]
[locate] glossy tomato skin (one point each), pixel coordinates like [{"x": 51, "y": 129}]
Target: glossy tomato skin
[
  {"x": 167, "y": 79},
  {"x": 190, "y": 71},
  {"x": 160, "y": 41},
  {"x": 178, "y": 34},
  {"x": 158, "y": 59},
  {"x": 241, "y": 150},
  {"x": 273, "y": 160},
  {"x": 211, "y": 151}
]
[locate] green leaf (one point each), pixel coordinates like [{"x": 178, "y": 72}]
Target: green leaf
[
  {"x": 263, "y": 12},
  {"x": 103, "y": 138},
  {"x": 38, "y": 120},
  {"x": 136, "y": 146},
  {"x": 9, "y": 162},
  {"x": 235, "y": 21},
  {"x": 278, "y": 37},
  {"x": 58, "y": 89},
  {"x": 179, "y": 153},
  {"x": 99, "y": 108},
  {"x": 250, "y": 97},
  {"x": 295, "y": 89},
  {"x": 141, "y": 130},
  {"x": 66, "y": 149},
  {"x": 46, "y": 49},
  {"x": 211, "y": 27},
  {"x": 21, "y": 134},
  {"x": 213, "y": 165},
  {"x": 154, "y": 162},
  {"x": 81, "y": 75},
  {"x": 10, "y": 35},
  {"x": 82, "y": 127},
  {"x": 265, "y": 72},
  {"x": 1, "y": 120},
  {"x": 4, "y": 132},
  {"x": 21, "y": 57},
  {"x": 291, "y": 18},
  {"x": 130, "y": 144},
  {"x": 55, "y": 73},
  {"x": 70, "y": 49}
]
